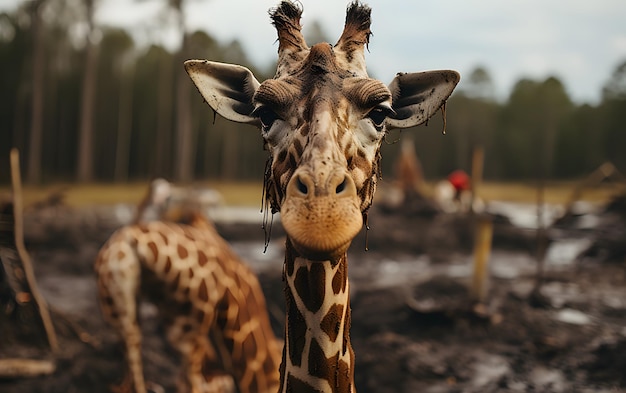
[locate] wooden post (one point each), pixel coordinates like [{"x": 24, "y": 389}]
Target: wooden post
[
  {"x": 478, "y": 159},
  {"x": 482, "y": 250},
  {"x": 23, "y": 254}
]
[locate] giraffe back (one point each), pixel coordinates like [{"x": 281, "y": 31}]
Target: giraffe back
[{"x": 210, "y": 301}]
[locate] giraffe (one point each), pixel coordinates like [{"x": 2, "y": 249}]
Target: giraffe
[
  {"x": 323, "y": 120},
  {"x": 210, "y": 302}
]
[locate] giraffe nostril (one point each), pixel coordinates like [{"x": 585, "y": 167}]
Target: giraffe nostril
[
  {"x": 341, "y": 187},
  {"x": 301, "y": 186}
]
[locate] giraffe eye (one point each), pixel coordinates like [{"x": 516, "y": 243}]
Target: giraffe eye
[
  {"x": 266, "y": 116},
  {"x": 378, "y": 115}
]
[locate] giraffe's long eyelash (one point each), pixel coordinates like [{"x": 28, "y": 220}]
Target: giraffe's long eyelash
[
  {"x": 378, "y": 115},
  {"x": 266, "y": 115}
]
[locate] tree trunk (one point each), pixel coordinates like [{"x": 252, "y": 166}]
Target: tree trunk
[
  {"x": 34, "y": 151},
  {"x": 163, "y": 154},
  {"x": 85, "y": 141},
  {"x": 124, "y": 126},
  {"x": 88, "y": 95},
  {"x": 185, "y": 152}
]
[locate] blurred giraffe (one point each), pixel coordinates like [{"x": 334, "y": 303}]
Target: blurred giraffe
[{"x": 210, "y": 301}]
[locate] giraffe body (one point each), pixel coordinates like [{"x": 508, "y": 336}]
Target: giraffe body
[
  {"x": 323, "y": 121},
  {"x": 211, "y": 303}
]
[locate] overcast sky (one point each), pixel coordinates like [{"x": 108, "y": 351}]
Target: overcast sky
[{"x": 579, "y": 41}]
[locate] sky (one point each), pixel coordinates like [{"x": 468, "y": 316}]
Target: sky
[{"x": 579, "y": 41}]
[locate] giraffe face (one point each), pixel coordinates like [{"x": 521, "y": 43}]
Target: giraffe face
[
  {"x": 322, "y": 120},
  {"x": 323, "y": 126}
]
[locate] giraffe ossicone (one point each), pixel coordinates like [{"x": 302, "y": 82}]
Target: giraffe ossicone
[{"x": 322, "y": 120}]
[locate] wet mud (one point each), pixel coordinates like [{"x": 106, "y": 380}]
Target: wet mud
[{"x": 414, "y": 328}]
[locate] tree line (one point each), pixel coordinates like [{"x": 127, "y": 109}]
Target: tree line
[{"x": 87, "y": 103}]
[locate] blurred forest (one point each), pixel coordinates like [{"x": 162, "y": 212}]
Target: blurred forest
[{"x": 86, "y": 103}]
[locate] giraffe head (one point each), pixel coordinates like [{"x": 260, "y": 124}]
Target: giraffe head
[
  {"x": 165, "y": 201},
  {"x": 323, "y": 120}
]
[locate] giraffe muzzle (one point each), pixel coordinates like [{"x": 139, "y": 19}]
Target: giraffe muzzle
[{"x": 321, "y": 214}]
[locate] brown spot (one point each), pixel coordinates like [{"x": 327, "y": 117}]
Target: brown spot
[
  {"x": 297, "y": 146},
  {"x": 292, "y": 161},
  {"x": 346, "y": 330},
  {"x": 310, "y": 285},
  {"x": 319, "y": 365},
  {"x": 296, "y": 331},
  {"x": 121, "y": 254},
  {"x": 361, "y": 162},
  {"x": 229, "y": 342},
  {"x": 331, "y": 323},
  {"x": 165, "y": 239},
  {"x": 108, "y": 300},
  {"x": 176, "y": 281},
  {"x": 182, "y": 252},
  {"x": 200, "y": 316},
  {"x": 295, "y": 385},
  {"x": 289, "y": 258},
  {"x": 203, "y": 292},
  {"x": 209, "y": 366},
  {"x": 350, "y": 163},
  {"x": 168, "y": 265},
  {"x": 344, "y": 266},
  {"x": 278, "y": 171},
  {"x": 339, "y": 279},
  {"x": 249, "y": 346},
  {"x": 281, "y": 156},
  {"x": 344, "y": 375},
  {"x": 222, "y": 314},
  {"x": 191, "y": 273},
  {"x": 202, "y": 258},
  {"x": 187, "y": 326},
  {"x": 269, "y": 367},
  {"x": 254, "y": 384}
]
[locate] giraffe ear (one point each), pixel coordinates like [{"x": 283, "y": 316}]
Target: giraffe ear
[
  {"x": 227, "y": 88},
  {"x": 417, "y": 96}
]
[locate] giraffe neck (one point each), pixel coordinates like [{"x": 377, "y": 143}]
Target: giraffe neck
[
  {"x": 245, "y": 340},
  {"x": 318, "y": 356}
]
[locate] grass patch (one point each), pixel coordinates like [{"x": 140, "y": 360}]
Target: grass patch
[
  {"x": 234, "y": 193},
  {"x": 249, "y": 193},
  {"x": 554, "y": 192}
]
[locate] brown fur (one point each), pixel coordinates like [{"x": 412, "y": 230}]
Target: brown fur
[{"x": 196, "y": 280}]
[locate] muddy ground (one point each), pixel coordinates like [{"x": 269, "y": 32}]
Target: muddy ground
[{"x": 414, "y": 328}]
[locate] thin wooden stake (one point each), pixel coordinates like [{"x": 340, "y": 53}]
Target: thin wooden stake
[
  {"x": 21, "y": 250},
  {"x": 482, "y": 251},
  {"x": 478, "y": 159}
]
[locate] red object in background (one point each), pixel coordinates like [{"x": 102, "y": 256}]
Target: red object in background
[{"x": 459, "y": 180}]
